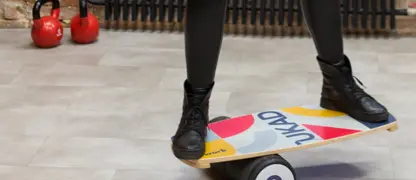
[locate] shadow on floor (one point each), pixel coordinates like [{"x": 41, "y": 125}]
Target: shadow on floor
[
  {"x": 326, "y": 172},
  {"x": 331, "y": 171}
]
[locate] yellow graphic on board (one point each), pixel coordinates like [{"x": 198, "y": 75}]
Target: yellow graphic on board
[
  {"x": 301, "y": 111},
  {"x": 218, "y": 148}
]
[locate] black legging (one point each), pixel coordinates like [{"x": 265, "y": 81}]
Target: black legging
[{"x": 204, "y": 32}]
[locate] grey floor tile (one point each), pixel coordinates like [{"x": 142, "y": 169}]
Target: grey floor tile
[
  {"x": 315, "y": 81},
  {"x": 9, "y": 69},
  {"x": 32, "y": 56},
  {"x": 401, "y": 104},
  {"x": 397, "y": 62},
  {"x": 24, "y": 98},
  {"x": 290, "y": 82},
  {"x": 241, "y": 103},
  {"x": 107, "y": 153},
  {"x": 13, "y": 37},
  {"x": 81, "y": 75},
  {"x": 375, "y": 83},
  {"x": 403, "y": 137},
  {"x": 172, "y": 100},
  {"x": 90, "y": 59},
  {"x": 9, "y": 94},
  {"x": 109, "y": 108},
  {"x": 399, "y": 45},
  {"x": 133, "y": 101},
  {"x": 9, "y": 66},
  {"x": 44, "y": 97},
  {"x": 6, "y": 78},
  {"x": 403, "y": 162},
  {"x": 97, "y": 124},
  {"x": 267, "y": 45},
  {"x": 158, "y": 174},
  {"x": 110, "y": 99},
  {"x": 341, "y": 160},
  {"x": 380, "y": 45},
  {"x": 67, "y": 56},
  {"x": 114, "y": 39},
  {"x": 361, "y": 46},
  {"x": 31, "y": 122},
  {"x": 277, "y": 63},
  {"x": 144, "y": 57},
  {"x": 19, "y": 150},
  {"x": 160, "y": 101},
  {"x": 35, "y": 173},
  {"x": 363, "y": 62},
  {"x": 158, "y": 125}
]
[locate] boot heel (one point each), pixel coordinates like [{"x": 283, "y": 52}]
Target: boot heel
[{"x": 328, "y": 104}]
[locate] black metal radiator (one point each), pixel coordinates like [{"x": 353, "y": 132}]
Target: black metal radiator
[{"x": 257, "y": 16}]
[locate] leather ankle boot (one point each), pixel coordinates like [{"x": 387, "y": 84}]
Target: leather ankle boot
[
  {"x": 189, "y": 140},
  {"x": 341, "y": 93}
]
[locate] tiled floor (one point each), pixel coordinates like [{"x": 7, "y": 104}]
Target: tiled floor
[{"x": 106, "y": 111}]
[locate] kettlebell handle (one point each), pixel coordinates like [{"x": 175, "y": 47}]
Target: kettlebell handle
[
  {"x": 38, "y": 5},
  {"x": 83, "y": 10}
]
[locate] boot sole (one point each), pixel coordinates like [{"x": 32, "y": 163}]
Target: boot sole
[
  {"x": 186, "y": 154},
  {"x": 374, "y": 118}
]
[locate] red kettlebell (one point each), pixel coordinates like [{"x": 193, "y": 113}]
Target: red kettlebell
[
  {"x": 47, "y": 31},
  {"x": 84, "y": 26}
]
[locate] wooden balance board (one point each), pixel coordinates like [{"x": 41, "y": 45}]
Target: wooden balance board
[{"x": 282, "y": 130}]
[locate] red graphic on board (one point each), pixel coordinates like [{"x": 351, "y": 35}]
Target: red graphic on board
[
  {"x": 232, "y": 127},
  {"x": 329, "y": 132}
]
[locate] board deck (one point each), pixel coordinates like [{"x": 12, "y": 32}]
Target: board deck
[{"x": 283, "y": 130}]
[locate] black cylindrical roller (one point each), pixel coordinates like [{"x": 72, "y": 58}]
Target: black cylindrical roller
[
  {"x": 272, "y": 15},
  {"x": 281, "y": 17},
  {"x": 356, "y": 8},
  {"x": 181, "y": 10},
  {"x": 253, "y": 12},
  {"x": 299, "y": 14},
  {"x": 393, "y": 14},
  {"x": 345, "y": 14},
  {"x": 236, "y": 9},
  {"x": 171, "y": 10},
  {"x": 383, "y": 7},
  {"x": 227, "y": 11},
  {"x": 144, "y": 10},
  {"x": 364, "y": 15},
  {"x": 116, "y": 10},
  {"x": 126, "y": 10},
  {"x": 244, "y": 11},
  {"x": 374, "y": 5},
  {"x": 290, "y": 13},
  {"x": 262, "y": 12},
  {"x": 134, "y": 10},
  {"x": 162, "y": 10},
  {"x": 153, "y": 10},
  {"x": 108, "y": 11}
]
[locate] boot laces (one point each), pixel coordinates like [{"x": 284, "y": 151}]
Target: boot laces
[
  {"x": 353, "y": 87},
  {"x": 195, "y": 116}
]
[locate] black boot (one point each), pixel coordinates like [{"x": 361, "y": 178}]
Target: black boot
[
  {"x": 341, "y": 93},
  {"x": 189, "y": 140}
]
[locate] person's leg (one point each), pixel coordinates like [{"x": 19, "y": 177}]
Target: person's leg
[
  {"x": 323, "y": 18},
  {"x": 340, "y": 91},
  {"x": 203, "y": 38}
]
